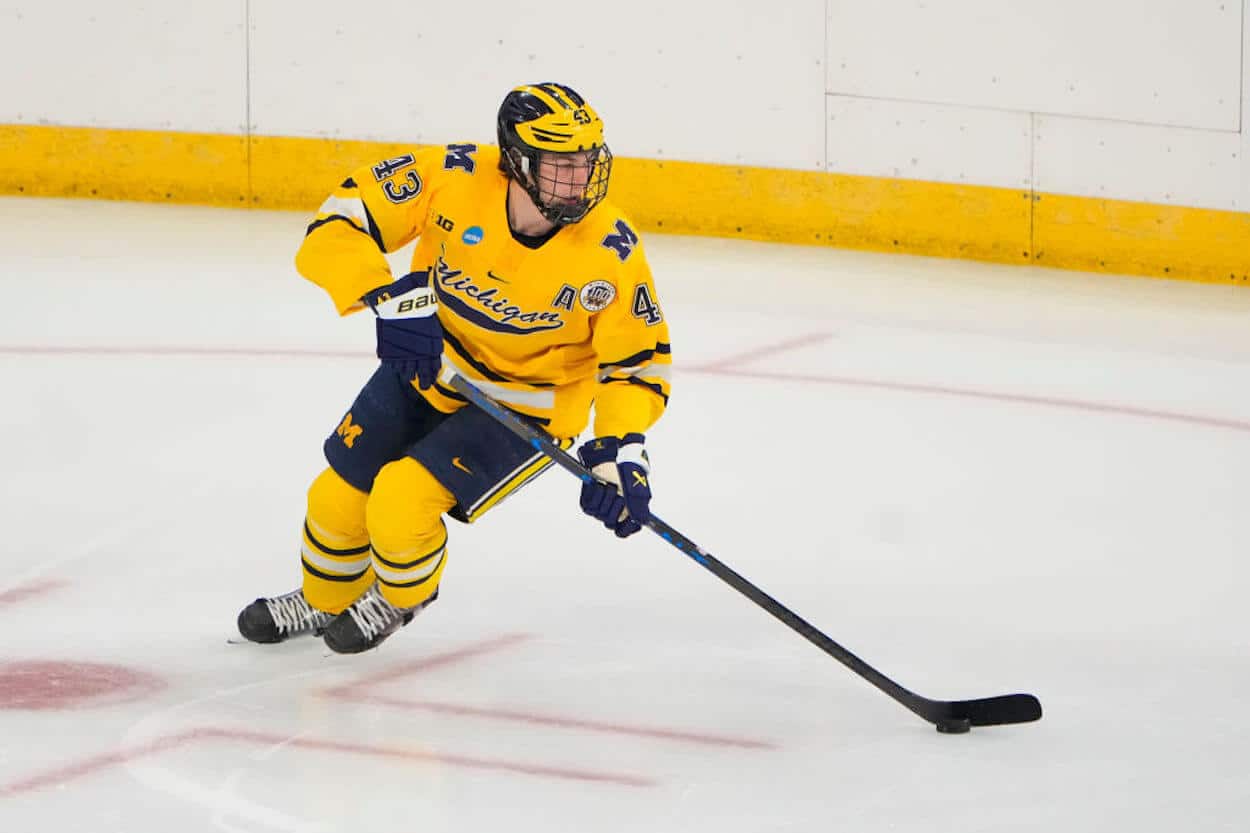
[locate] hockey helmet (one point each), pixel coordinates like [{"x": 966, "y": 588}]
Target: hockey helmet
[{"x": 551, "y": 122}]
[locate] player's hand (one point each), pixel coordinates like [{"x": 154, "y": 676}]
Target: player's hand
[
  {"x": 410, "y": 338},
  {"x": 623, "y": 504}
]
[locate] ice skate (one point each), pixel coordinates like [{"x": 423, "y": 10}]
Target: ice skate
[
  {"x": 282, "y": 617},
  {"x": 368, "y": 621}
]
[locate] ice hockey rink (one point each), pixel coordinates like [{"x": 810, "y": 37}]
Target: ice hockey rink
[{"x": 981, "y": 479}]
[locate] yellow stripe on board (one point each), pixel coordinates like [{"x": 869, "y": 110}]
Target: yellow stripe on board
[
  {"x": 894, "y": 215},
  {"x": 857, "y": 212},
  {"x": 1136, "y": 238},
  {"x": 142, "y": 165}
]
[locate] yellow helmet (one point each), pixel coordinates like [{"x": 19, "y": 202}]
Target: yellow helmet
[{"x": 536, "y": 120}]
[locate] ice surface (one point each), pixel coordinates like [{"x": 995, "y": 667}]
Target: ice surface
[{"x": 981, "y": 479}]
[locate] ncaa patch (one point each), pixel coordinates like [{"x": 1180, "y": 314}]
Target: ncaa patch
[
  {"x": 472, "y": 235},
  {"x": 597, "y": 294}
]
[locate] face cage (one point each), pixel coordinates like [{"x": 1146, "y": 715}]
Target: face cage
[{"x": 561, "y": 212}]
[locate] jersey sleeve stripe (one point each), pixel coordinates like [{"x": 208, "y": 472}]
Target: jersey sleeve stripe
[
  {"x": 659, "y": 372},
  {"x": 346, "y": 204},
  {"x": 658, "y": 390},
  {"x": 632, "y": 361},
  {"x": 321, "y": 221},
  {"x": 640, "y": 357},
  {"x": 374, "y": 231}
]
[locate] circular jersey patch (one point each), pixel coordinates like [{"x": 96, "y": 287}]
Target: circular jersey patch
[
  {"x": 597, "y": 294},
  {"x": 472, "y": 235}
]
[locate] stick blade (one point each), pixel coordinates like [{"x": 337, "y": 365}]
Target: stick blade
[
  {"x": 999, "y": 711},
  {"x": 989, "y": 711}
]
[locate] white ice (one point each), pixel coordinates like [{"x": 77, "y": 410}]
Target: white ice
[{"x": 981, "y": 479}]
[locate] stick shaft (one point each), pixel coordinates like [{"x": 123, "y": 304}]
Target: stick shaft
[{"x": 541, "y": 441}]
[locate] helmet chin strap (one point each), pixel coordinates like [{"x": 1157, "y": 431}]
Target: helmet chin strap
[
  {"x": 530, "y": 184},
  {"x": 522, "y": 219}
]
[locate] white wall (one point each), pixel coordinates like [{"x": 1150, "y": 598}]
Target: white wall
[
  {"x": 1132, "y": 99},
  {"x": 674, "y": 80},
  {"x": 124, "y": 63}
]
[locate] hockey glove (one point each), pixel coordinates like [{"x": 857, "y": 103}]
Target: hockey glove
[
  {"x": 410, "y": 338},
  {"x": 623, "y": 504}
]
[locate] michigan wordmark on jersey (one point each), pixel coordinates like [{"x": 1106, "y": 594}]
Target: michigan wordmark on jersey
[{"x": 546, "y": 328}]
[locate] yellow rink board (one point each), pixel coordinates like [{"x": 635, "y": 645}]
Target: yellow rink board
[{"x": 1001, "y": 225}]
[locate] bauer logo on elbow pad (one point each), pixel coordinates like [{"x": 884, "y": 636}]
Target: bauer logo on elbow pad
[
  {"x": 416, "y": 303},
  {"x": 413, "y": 304}
]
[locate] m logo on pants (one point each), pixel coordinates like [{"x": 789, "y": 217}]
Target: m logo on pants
[{"x": 348, "y": 432}]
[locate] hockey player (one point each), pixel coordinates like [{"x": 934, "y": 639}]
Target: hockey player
[{"x": 526, "y": 281}]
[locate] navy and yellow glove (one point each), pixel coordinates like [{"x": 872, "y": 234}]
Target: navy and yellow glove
[
  {"x": 623, "y": 503},
  {"x": 410, "y": 337}
]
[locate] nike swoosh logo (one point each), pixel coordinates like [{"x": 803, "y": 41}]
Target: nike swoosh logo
[
  {"x": 455, "y": 461},
  {"x": 493, "y": 276}
]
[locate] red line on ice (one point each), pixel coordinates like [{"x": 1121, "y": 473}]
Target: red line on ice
[
  {"x": 38, "y": 588},
  {"x": 93, "y": 765},
  {"x": 361, "y": 691},
  {"x": 427, "y": 663},
  {"x": 1018, "y": 399},
  {"x": 715, "y": 368},
  {"x": 189, "y": 351},
  {"x": 513, "y": 716},
  {"x": 727, "y": 362}
]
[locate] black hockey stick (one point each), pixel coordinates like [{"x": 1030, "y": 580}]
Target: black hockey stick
[{"x": 951, "y": 716}]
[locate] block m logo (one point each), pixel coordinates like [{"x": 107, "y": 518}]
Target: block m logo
[{"x": 348, "y": 432}]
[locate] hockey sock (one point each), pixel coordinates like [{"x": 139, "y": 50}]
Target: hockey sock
[
  {"x": 335, "y": 554},
  {"x": 407, "y": 532}
]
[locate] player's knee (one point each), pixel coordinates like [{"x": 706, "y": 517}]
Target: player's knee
[
  {"x": 336, "y": 507},
  {"x": 405, "y": 508}
]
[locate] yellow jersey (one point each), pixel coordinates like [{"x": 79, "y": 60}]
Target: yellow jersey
[{"x": 546, "y": 326}]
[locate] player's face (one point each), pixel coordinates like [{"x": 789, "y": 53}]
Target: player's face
[{"x": 562, "y": 177}]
